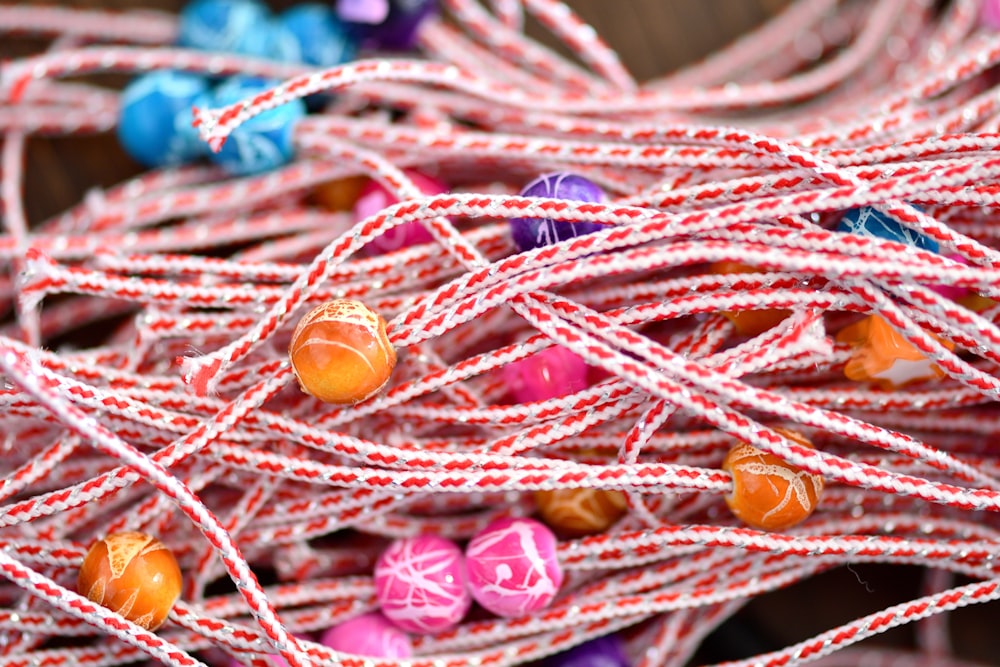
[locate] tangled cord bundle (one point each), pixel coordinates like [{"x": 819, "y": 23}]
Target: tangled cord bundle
[{"x": 186, "y": 421}]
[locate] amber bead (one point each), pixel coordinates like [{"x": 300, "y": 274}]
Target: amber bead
[
  {"x": 341, "y": 194},
  {"x": 749, "y": 322},
  {"x": 577, "y": 512},
  {"x": 882, "y": 355},
  {"x": 133, "y": 574},
  {"x": 340, "y": 352},
  {"x": 768, "y": 492}
]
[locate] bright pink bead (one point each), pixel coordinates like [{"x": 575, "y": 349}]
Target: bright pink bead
[
  {"x": 548, "y": 374},
  {"x": 421, "y": 585},
  {"x": 950, "y": 291},
  {"x": 373, "y": 198},
  {"x": 513, "y": 567},
  {"x": 370, "y": 635},
  {"x": 989, "y": 14}
]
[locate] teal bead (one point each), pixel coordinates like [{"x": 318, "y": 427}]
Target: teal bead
[
  {"x": 154, "y": 120},
  {"x": 262, "y": 143}
]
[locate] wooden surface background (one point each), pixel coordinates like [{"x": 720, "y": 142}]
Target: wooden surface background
[{"x": 653, "y": 38}]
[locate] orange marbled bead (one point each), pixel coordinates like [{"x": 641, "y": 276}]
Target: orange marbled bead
[
  {"x": 576, "y": 512},
  {"x": 768, "y": 492},
  {"x": 749, "y": 322},
  {"x": 340, "y": 352},
  {"x": 882, "y": 355},
  {"x": 341, "y": 194},
  {"x": 133, "y": 574}
]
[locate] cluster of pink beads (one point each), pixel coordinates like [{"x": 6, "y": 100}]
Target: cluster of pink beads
[{"x": 602, "y": 362}]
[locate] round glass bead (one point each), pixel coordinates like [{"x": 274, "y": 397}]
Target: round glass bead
[
  {"x": 421, "y": 585},
  {"x": 133, "y": 574},
  {"x": 374, "y": 197},
  {"x": 604, "y": 651},
  {"x": 340, "y": 352},
  {"x": 513, "y": 567},
  {"x": 154, "y": 119},
  {"x": 231, "y": 26},
  {"x": 369, "y": 635},
  {"x": 768, "y": 492},
  {"x": 386, "y": 24},
  {"x": 318, "y": 37},
  {"x": 531, "y": 233},
  {"x": 578, "y": 512},
  {"x": 262, "y": 143},
  {"x": 550, "y": 373},
  {"x": 867, "y": 221}
]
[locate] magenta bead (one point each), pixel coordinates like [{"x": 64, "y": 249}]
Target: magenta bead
[
  {"x": 421, "y": 585},
  {"x": 548, "y": 374},
  {"x": 373, "y": 198},
  {"x": 989, "y": 14},
  {"x": 950, "y": 291},
  {"x": 513, "y": 567},
  {"x": 370, "y": 635}
]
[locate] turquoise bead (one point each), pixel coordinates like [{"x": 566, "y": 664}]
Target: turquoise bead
[
  {"x": 262, "y": 143},
  {"x": 154, "y": 121}
]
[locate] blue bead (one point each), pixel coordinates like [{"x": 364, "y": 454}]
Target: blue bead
[
  {"x": 320, "y": 38},
  {"x": 531, "y": 233},
  {"x": 867, "y": 221},
  {"x": 386, "y": 24},
  {"x": 231, "y": 26},
  {"x": 601, "y": 652},
  {"x": 262, "y": 143},
  {"x": 154, "y": 120}
]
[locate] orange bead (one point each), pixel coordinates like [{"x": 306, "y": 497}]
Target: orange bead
[
  {"x": 749, "y": 322},
  {"x": 339, "y": 195},
  {"x": 341, "y": 353},
  {"x": 768, "y": 492},
  {"x": 576, "y": 512},
  {"x": 133, "y": 574},
  {"x": 882, "y": 355}
]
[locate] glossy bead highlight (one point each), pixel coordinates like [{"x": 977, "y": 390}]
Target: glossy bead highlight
[
  {"x": 768, "y": 492},
  {"x": 340, "y": 352},
  {"x": 133, "y": 574}
]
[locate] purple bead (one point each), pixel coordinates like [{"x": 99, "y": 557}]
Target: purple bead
[
  {"x": 601, "y": 652},
  {"x": 386, "y": 24},
  {"x": 548, "y": 374},
  {"x": 513, "y": 567},
  {"x": 532, "y": 233},
  {"x": 370, "y": 635},
  {"x": 421, "y": 585},
  {"x": 373, "y": 198},
  {"x": 989, "y": 14}
]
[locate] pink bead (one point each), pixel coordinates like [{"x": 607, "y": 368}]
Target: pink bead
[
  {"x": 513, "y": 567},
  {"x": 373, "y": 198},
  {"x": 370, "y": 635},
  {"x": 989, "y": 14},
  {"x": 421, "y": 584},
  {"x": 548, "y": 374},
  {"x": 950, "y": 291}
]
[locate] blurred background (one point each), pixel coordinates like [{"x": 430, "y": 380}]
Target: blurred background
[{"x": 653, "y": 38}]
